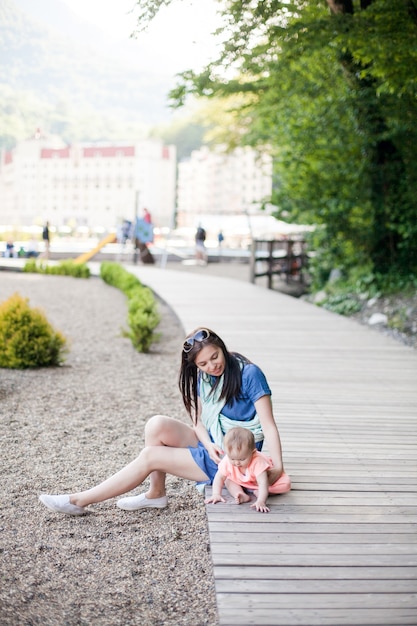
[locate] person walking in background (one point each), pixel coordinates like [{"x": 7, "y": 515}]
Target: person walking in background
[
  {"x": 220, "y": 389},
  {"x": 147, "y": 216},
  {"x": 46, "y": 241},
  {"x": 200, "y": 246},
  {"x": 220, "y": 239},
  {"x": 245, "y": 468}
]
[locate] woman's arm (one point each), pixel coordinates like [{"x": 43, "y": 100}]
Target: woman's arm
[{"x": 263, "y": 408}]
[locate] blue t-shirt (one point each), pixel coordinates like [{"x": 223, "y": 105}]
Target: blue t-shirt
[{"x": 254, "y": 386}]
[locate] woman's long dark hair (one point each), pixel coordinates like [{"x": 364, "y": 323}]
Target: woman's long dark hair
[{"x": 188, "y": 377}]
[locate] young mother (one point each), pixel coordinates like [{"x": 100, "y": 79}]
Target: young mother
[{"x": 220, "y": 389}]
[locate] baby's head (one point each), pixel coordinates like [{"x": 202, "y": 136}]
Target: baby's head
[{"x": 239, "y": 445}]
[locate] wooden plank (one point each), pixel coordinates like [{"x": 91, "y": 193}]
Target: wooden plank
[
  {"x": 374, "y": 466},
  {"x": 309, "y": 586},
  {"x": 255, "y": 537},
  {"x": 304, "y": 515},
  {"x": 328, "y": 474},
  {"x": 320, "y": 572},
  {"x": 346, "y": 601},
  {"x": 269, "y": 549},
  {"x": 315, "y": 560},
  {"x": 273, "y": 526},
  {"x": 312, "y": 617},
  {"x": 355, "y": 488}
]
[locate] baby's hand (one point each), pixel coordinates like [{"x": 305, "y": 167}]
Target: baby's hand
[
  {"x": 260, "y": 506},
  {"x": 213, "y": 499}
]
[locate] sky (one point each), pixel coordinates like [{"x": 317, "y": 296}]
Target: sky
[{"x": 179, "y": 38}]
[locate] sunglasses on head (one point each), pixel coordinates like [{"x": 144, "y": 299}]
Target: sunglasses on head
[{"x": 200, "y": 335}]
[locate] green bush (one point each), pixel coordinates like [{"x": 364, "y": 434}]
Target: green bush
[
  {"x": 27, "y": 339},
  {"x": 347, "y": 294},
  {"x": 342, "y": 304},
  {"x": 143, "y": 316},
  {"x": 116, "y": 276},
  {"x": 67, "y": 267}
]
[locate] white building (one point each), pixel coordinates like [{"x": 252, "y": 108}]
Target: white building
[
  {"x": 92, "y": 187},
  {"x": 215, "y": 187}
]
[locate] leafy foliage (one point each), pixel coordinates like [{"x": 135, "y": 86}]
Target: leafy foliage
[
  {"x": 26, "y": 337},
  {"x": 143, "y": 316},
  {"x": 342, "y": 304},
  {"x": 330, "y": 88},
  {"x": 63, "y": 268}
]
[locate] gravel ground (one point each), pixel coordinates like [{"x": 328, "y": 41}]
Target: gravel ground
[{"x": 64, "y": 429}]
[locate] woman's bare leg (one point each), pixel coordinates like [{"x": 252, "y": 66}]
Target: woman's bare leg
[
  {"x": 166, "y": 452},
  {"x": 161, "y": 430}
]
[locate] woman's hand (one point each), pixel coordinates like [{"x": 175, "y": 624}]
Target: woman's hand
[
  {"x": 215, "y": 452},
  {"x": 274, "y": 473}
]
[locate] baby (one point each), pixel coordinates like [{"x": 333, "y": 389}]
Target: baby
[{"x": 244, "y": 467}]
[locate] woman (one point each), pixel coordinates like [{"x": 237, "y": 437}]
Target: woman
[{"x": 220, "y": 389}]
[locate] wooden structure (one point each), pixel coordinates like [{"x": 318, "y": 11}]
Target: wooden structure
[
  {"x": 286, "y": 258},
  {"x": 87, "y": 256},
  {"x": 340, "y": 549}
]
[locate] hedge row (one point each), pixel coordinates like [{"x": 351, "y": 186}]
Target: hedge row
[
  {"x": 27, "y": 339},
  {"x": 143, "y": 316}
]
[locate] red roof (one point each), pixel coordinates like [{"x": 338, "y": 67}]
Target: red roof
[
  {"x": 58, "y": 153},
  {"x": 90, "y": 152},
  {"x": 109, "y": 151}
]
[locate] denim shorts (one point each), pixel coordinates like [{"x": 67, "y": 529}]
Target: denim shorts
[{"x": 204, "y": 462}]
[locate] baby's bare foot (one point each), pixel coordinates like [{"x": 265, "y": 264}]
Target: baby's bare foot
[{"x": 242, "y": 497}]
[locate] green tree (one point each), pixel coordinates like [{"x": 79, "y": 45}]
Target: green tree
[{"x": 330, "y": 87}]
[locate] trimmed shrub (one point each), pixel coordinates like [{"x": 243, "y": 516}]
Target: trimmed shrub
[
  {"x": 27, "y": 339},
  {"x": 116, "y": 276},
  {"x": 143, "y": 316},
  {"x": 64, "y": 268}
]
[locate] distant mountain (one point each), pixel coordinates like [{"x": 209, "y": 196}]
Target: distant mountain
[
  {"x": 64, "y": 71},
  {"x": 60, "y": 19}
]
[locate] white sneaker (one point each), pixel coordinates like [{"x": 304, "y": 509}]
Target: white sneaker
[
  {"x": 61, "y": 504},
  {"x": 133, "y": 503}
]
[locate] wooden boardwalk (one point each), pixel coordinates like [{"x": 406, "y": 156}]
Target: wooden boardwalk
[{"x": 341, "y": 547}]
